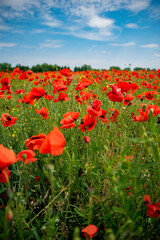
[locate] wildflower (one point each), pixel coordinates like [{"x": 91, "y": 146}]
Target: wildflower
[
  {"x": 43, "y": 112},
  {"x": 115, "y": 95},
  {"x": 88, "y": 123},
  {"x": 62, "y": 97},
  {"x": 7, "y": 157},
  {"x": 153, "y": 209},
  {"x": 35, "y": 142},
  {"x": 7, "y": 120},
  {"x": 86, "y": 139},
  {"x": 68, "y": 120},
  {"x": 26, "y": 156},
  {"x": 54, "y": 143},
  {"x": 90, "y": 231},
  {"x": 37, "y": 178}
]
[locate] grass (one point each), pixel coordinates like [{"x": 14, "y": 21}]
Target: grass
[{"x": 89, "y": 183}]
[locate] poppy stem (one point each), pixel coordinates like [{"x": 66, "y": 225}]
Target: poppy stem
[{"x": 63, "y": 189}]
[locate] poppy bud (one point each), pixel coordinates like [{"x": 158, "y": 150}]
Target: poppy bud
[{"x": 144, "y": 107}]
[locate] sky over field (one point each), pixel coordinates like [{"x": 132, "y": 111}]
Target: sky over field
[{"x": 100, "y": 33}]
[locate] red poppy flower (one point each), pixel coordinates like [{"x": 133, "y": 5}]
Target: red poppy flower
[
  {"x": 86, "y": 139},
  {"x": 85, "y": 95},
  {"x": 26, "y": 156},
  {"x": 115, "y": 95},
  {"x": 95, "y": 109},
  {"x": 48, "y": 96},
  {"x": 7, "y": 120},
  {"x": 153, "y": 209},
  {"x": 90, "y": 231},
  {"x": 78, "y": 99},
  {"x": 124, "y": 86},
  {"x": 144, "y": 112},
  {"x": 83, "y": 84},
  {"x": 128, "y": 98},
  {"x": 7, "y": 157},
  {"x": 19, "y": 91},
  {"x": 114, "y": 115},
  {"x": 5, "y": 83},
  {"x": 88, "y": 123},
  {"x": 127, "y": 190},
  {"x": 43, "y": 112},
  {"x": 68, "y": 120},
  {"x": 37, "y": 178},
  {"x": 54, "y": 143},
  {"x": 150, "y": 94},
  {"x": 141, "y": 96},
  {"x": 4, "y": 175},
  {"x": 62, "y": 97},
  {"x": 35, "y": 142},
  {"x": 36, "y": 93},
  {"x": 155, "y": 87},
  {"x": 59, "y": 87}
]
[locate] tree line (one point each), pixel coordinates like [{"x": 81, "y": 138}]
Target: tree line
[{"x": 45, "y": 67}]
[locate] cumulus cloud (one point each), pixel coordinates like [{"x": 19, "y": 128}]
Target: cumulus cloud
[
  {"x": 3, "y": 44},
  {"x": 123, "y": 44},
  {"x": 132, "y": 25},
  {"x": 153, "y": 45},
  {"x": 51, "y": 44}
]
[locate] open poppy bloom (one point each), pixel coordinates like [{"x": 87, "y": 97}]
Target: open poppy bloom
[
  {"x": 88, "y": 123},
  {"x": 90, "y": 231},
  {"x": 128, "y": 98},
  {"x": 36, "y": 93},
  {"x": 43, "y": 112},
  {"x": 59, "y": 87},
  {"x": 124, "y": 86},
  {"x": 7, "y": 120},
  {"x": 4, "y": 175},
  {"x": 54, "y": 143},
  {"x": 153, "y": 209},
  {"x": 5, "y": 83},
  {"x": 95, "y": 109},
  {"x": 7, "y": 157},
  {"x": 26, "y": 156},
  {"x": 62, "y": 97},
  {"x": 68, "y": 120},
  {"x": 35, "y": 142},
  {"x": 115, "y": 95}
]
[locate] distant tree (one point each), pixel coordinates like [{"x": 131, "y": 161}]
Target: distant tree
[
  {"x": 36, "y": 68},
  {"x": 5, "y": 66},
  {"x": 22, "y": 68},
  {"x": 148, "y": 69},
  {"x": 115, "y": 67},
  {"x": 83, "y": 68},
  {"x": 127, "y": 69},
  {"x": 138, "y": 68}
]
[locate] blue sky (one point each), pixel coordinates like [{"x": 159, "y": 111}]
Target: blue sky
[{"x": 100, "y": 33}]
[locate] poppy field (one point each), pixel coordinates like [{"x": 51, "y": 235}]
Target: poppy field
[{"x": 80, "y": 155}]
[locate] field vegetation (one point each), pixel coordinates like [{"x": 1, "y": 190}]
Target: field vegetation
[{"x": 80, "y": 154}]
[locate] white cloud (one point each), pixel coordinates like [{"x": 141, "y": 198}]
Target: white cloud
[
  {"x": 137, "y": 5},
  {"x": 2, "y": 44},
  {"x": 100, "y": 22},
  {"x": 38, "y": 31},
  {"x": 150, "y": 46},
  {"x": 132, "y": 25},
  {"x": 123, "y": 44},
  {"x": 157, "y": 55},
  {"x": 51, "y": 44},
  {"x": 81, "y": 14}
]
